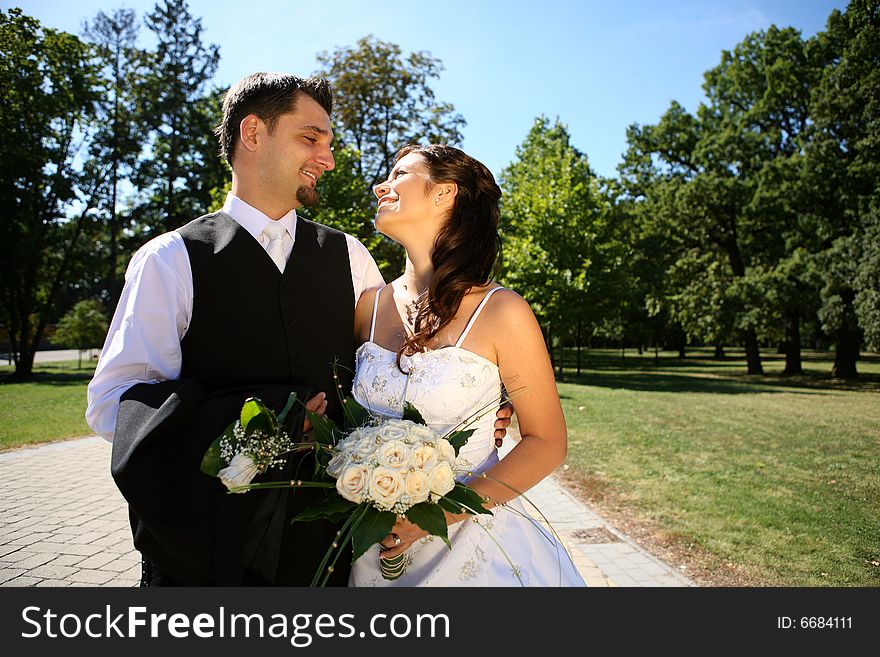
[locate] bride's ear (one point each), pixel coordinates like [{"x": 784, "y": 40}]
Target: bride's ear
[{"x": 447, "y": 191}]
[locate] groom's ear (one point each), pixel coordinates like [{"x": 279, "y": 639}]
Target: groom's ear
[{"x": 248, "y": 130}]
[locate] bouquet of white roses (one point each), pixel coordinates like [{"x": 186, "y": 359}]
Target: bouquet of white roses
[{"x": 383, "y": 468}]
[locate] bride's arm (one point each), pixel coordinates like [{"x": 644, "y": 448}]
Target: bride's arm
[{"x": 528, "y": 376}]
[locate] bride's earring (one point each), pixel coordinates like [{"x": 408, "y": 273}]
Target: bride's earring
[{"x": 437, "y": 201}]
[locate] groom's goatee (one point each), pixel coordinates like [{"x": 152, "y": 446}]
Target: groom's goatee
[{"x": 307, "y": 196}]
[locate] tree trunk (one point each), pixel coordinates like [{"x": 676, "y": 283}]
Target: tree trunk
[
  {"x": 656, "y": 353},
  {"x": 579, "y": 349},
  {"x": 719, "y": 352},
  {"x": 847, "y": 353},
  {"x": 682, "y": 342},
  {"x": 792, "y": 343},
  {"x": 738, "y": 267},
  {"x": 753, "y": 352}
]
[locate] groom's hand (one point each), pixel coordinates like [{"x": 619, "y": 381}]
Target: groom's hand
[
  {"x": 502, "y": 421},
  {"x": 317, "y": 404}
]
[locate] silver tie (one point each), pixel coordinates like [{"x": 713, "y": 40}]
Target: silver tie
[{"x": 275, "y": 232}]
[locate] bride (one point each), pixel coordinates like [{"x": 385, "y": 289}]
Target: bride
[{"x": 445, "y": 338}]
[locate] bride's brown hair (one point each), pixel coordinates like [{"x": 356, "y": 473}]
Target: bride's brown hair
[{"x": 467, "y": 246}]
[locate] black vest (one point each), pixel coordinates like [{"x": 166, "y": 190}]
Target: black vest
[{"x": 251, "y": 324}]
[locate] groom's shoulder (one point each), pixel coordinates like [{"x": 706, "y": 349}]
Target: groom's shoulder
[
  {"x": 323, "y": 228},
  {"x": 324, "y": 232}
]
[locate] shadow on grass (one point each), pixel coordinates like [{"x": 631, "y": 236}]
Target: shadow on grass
[
  {"x": 713, "y": 376},
  {"x": 54, "y": 376}
]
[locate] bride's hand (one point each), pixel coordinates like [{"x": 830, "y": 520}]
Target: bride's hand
[
  {"x": 317, "y": 404},
  {"x": 407, "y": 532}
]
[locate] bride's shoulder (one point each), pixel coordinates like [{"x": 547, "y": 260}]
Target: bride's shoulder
[{"x": 507, "y": 304}]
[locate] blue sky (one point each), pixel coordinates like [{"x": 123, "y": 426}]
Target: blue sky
[{"x": 598, "y": 66}]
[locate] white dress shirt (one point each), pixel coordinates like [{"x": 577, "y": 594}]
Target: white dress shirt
[{"x": 154, "y": 311}]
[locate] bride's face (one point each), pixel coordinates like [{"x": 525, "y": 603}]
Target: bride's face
[{"x": 406, "y": 201}]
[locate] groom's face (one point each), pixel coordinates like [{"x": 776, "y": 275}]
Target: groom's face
[{"x": 298, "y": 152}]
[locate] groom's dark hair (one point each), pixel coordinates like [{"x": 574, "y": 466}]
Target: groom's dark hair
[{"x": 268, "y": 95}]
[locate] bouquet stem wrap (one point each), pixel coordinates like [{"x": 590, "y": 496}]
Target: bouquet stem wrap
[{"x": 393, "y": 567}]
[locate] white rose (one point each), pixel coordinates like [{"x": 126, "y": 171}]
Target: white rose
[
  {"x": 240, "y": 471},
  {"x": 339, "y": 461},
  {"x": 394, "y": 429},
  {"x": 394, "y": 454},
  {"x": 424, "y": 457},
  {"x": 417, "y": 486},
  {"x": 365, "y": 446},
  {"x": 447, "y": 451},
  {"x": 442, "y": 480},
  {"x": 352, "y": 483},
  {"x": 421, "y": 432},
  {"x": 350, "y": 440},
  {"x": 386, "y": 486}
]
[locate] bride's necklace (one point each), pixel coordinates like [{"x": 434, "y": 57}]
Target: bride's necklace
[{"x": 412, "y": 308}]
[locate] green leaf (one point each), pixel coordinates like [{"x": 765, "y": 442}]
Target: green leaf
[
  {"x": 333, "y": 507},
  {"x": 212, "y": 462},
  {"x": 459, "y": 439},
  {"x": 412, "y": 414},
  {"x": 255, "y": 416},
  {"x": 291, "y": 400},
  {"x": 355, "y": 414},
  {"x": 373, "y": 527},
  {"x": 463, "y": 499},
  {"x": 431, "y": 518},
  {"x": 323, "y": 428}
]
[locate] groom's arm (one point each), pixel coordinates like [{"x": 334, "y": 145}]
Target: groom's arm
[{"x": 143, "y": 342}]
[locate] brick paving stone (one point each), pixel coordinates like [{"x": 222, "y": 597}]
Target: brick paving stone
[
  {"x": 36, "y": 559},
  {"x": 86, "y": 538},
  {"x": 50, "y": 571},
  {"x": 121, "y": 564},
  {"x": 90, "y": 576},
  {"x": 9, "y": 549},
  {"x": 22, "y": 580},
  {"x": 21, "y": 555},
  {"x": 9, "y": 573},
  {"x": 66, "y": 560},
  {"x": 97, "y": 560},
  {"x": 56, "y": 583}
]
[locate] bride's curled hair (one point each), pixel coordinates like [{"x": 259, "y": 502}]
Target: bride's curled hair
[{"x": 467, "y": 246}]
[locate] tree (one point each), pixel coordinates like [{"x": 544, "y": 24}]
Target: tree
[
  {"x": 842, "y": 177},
  {"x": 49, "y": 85},
  {"x": 82, "y": 327},
  {"x": 180, "y": 114},
  {"x": 557, "y": 247},
  {"x": 382, "y": 101},
  {"x": 118, "y": 140}
]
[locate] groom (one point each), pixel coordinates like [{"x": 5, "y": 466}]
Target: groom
[{"x": 250, "y": 300}]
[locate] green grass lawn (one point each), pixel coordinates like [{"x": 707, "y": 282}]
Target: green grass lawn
[
  {"x": 778, "y": 477},
  {"x": 50, "y": 407}
]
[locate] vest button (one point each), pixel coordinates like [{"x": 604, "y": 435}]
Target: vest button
[
  {"x": 287, "y": 288},
  {"x": 291, "y": 322},
  {"x": 298, "y": 360}
]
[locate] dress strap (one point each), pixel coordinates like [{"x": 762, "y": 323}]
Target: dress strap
[
  {"x": 475, "y": 315},
  {"x": 375, "y": 307}
]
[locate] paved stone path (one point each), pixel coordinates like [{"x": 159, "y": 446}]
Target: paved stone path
[{"x": 64, "y": 523}]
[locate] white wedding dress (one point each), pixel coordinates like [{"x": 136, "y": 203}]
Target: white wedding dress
[{"x": 447, "y": 386}]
